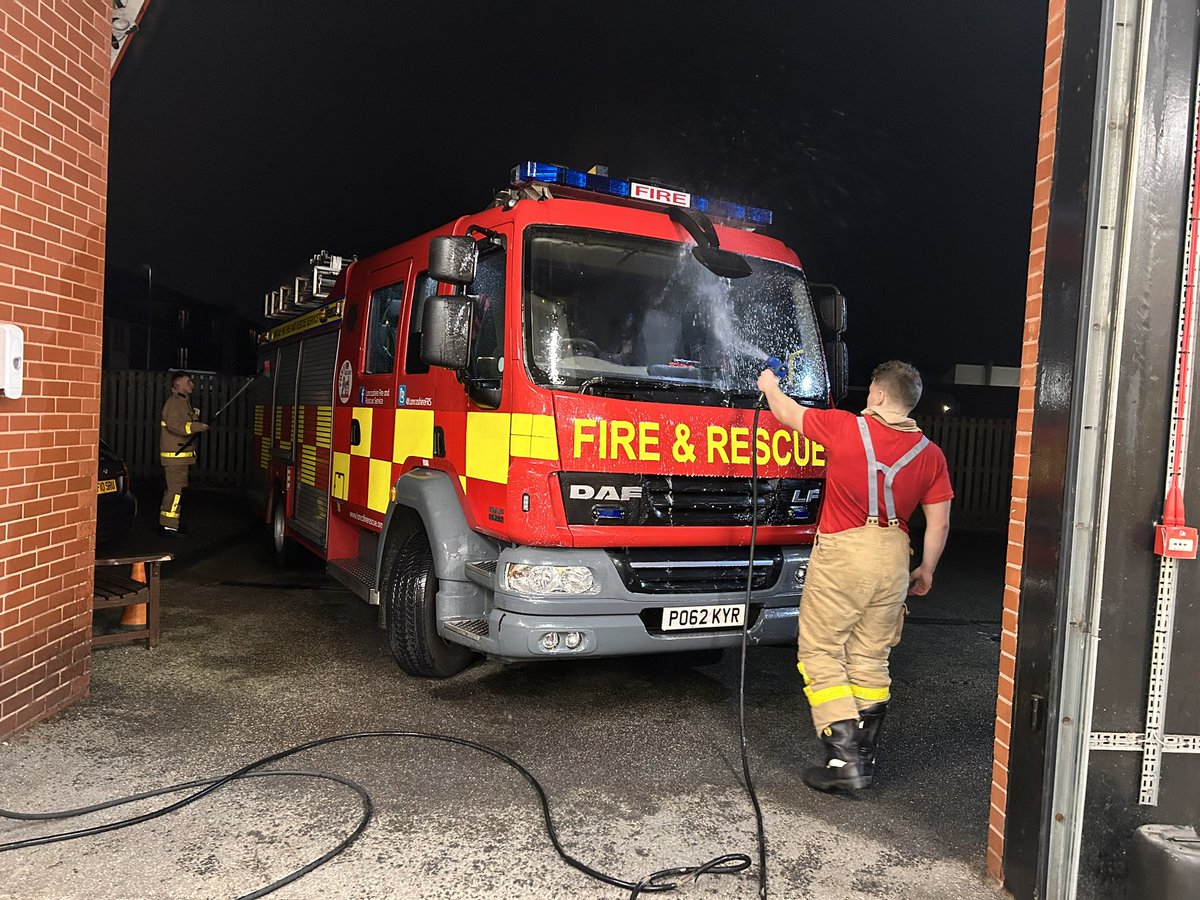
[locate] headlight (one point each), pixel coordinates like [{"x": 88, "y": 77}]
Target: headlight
[{"x": 530, "y": 579}]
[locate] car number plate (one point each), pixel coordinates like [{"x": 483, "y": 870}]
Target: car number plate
[
  {"x": 106, "y": 487},
  {"x": 682, "y": 618}
]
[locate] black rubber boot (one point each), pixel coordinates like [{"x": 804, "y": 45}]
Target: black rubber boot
[
  {"x": 872, "y": 722},
  {"x": 843, "y": 769}
]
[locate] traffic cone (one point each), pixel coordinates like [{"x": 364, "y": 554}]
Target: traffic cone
[{"x": 135, "y": 613}]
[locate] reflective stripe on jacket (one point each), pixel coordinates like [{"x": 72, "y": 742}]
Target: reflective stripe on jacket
[{"x": 176, "y": 430}]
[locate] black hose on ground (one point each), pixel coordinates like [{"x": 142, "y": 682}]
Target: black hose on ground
[
  {"x": 656, "y": 882},
  {"x": 726, "y": 864}
]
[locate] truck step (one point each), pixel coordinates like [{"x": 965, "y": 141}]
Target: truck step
[
  {"x": 483, "y": 573},
  {"x": 475, "y": 629},
  {"x": 355, "y": 574}
]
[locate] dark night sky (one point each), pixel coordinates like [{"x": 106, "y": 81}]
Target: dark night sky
[{"x": 894, "y": 141}]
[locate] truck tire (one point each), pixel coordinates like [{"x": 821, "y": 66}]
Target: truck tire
[
  {"x": 284, "y": 550},
  {"x": 410, "y": 592}
]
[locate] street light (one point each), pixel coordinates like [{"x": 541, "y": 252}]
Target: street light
[{"x": 149, "y": 308}]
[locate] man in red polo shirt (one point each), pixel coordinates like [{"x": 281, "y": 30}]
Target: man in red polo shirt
[{"x": 879, "y": 469}]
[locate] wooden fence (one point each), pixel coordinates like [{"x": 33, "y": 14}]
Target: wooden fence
[
  {"x": 131, "y": 408},
  {"x": 979, "y": 452}
]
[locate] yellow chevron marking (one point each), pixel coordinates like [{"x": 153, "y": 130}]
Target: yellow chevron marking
[
  {"x": 363, "y": 416},
  {"x": 325, "y": 426},
  {"x": 308, "y": 466},
  {"x": 413, "y": 435},
  {"x": 341, "y": 476},
  {"x": 379, "y": 488},
  {"x": 487, "y": 446},
  {"x": 533, "y": 437}
]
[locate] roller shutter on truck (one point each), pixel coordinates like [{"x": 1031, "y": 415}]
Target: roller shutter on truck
[{"x": 314, "y": 435}]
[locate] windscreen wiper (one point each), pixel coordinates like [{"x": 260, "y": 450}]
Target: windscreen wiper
[
  {"x": 610, "y": 380},
  {"x": 707, "y": 251}
]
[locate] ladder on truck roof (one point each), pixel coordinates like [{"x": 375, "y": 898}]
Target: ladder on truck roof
[{"x": 309, "y": 289}]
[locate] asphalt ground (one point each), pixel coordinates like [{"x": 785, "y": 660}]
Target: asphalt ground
[{"x": 639, "y": 756}]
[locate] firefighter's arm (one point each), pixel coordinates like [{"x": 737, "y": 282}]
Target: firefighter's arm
[
  {"x": 937, "y": 528},
  {"x": 783, "y": 407},
  {"x": 198, "y": 427}
]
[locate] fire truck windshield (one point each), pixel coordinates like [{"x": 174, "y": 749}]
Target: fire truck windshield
[{"x": 605, "y": 310}]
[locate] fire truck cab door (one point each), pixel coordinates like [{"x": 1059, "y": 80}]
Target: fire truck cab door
[
  {"x": 380, "y": 345},
  {"x": 363, "y": 457}
]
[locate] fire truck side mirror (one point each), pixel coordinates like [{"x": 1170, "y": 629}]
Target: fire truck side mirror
[
  {"x": 446, "y": 330},
  {"x": 839, "y": 369},
  {"x": 452, "y": 260},
  {"x": 831, "y": 309}
]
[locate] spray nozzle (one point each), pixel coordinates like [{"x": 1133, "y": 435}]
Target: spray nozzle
[{"x": 775, "y": 364}]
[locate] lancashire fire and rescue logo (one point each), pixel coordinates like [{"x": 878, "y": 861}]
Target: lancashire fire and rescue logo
[{"x": 345, "y": 381}]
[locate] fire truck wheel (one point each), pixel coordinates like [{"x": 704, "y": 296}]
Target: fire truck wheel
[
  {"x": 410, "y": 589},
  {"x": 284, "y": 550}
]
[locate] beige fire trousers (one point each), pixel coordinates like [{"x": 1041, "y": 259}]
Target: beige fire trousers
[{"x": 851, "y": 616}]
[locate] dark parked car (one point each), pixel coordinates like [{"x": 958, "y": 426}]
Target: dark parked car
[{"x": 116, "y": 506}]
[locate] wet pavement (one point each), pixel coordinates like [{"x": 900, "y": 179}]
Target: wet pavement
[{"x": 639, "y": 757}]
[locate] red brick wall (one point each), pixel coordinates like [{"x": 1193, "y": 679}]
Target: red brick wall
[
  {"x": 1020, "y": 483},
  {"x": 54, "y": 65}
]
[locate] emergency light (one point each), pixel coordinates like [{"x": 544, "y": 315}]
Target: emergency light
[{"x": 737, "y": 214}]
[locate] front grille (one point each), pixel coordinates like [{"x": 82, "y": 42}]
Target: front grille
[
  {"x": 695, "y": 570},
  {"x": 703, "y": 500},
  {"x": 626, "y": 499}
]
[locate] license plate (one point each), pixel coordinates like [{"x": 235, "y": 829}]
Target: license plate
[
  {"x": 106, "y": 487},
  {"x": 682, "y": 618}
]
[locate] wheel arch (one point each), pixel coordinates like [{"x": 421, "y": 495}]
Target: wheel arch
[{"x": 427, "y": 499}]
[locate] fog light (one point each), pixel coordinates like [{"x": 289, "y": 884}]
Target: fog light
[
  {"x": 801, "y": 573},
  {"x": 550, "y": 640},
  {"x": 573, "y": 639}
]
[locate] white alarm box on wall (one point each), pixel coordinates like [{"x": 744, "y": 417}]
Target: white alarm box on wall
[{"x": 12, "y": 362}]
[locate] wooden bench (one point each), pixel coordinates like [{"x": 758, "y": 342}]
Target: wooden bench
[{"x": 116, "y": 588}]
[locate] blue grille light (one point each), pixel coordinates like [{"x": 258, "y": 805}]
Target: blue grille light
[
  {"x": 603, "y": 513},
  {"x": 734, "y": 213}
]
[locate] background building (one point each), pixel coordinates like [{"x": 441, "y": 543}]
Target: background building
[{"x": 150, "y": 326}]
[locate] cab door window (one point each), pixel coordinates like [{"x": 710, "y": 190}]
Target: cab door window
[
  {"x": 487, "y": 334},
  {"x": 382, "y": 323},
  {"x": 423, "y": 288}
]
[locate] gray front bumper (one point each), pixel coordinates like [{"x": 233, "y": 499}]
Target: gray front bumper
[{"x": 609, "y": 621}]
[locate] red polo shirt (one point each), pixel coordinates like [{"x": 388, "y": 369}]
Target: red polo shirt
[{"x": 844, "y": 503}]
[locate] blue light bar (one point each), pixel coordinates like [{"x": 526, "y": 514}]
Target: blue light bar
[
  {"x": 532, "y": 171},
  {"x": 723, "y": 210}
]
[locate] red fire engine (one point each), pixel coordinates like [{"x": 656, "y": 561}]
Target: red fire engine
[{"x": 527, "y": 434}]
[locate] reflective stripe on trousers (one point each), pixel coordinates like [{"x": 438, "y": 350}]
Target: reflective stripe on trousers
[
  {"x": 851, "y": 615},
  {"x": 177, "y": 480}
]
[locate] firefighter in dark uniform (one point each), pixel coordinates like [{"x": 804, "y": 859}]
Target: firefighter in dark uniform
[
  {"x": 852, "y": 608},
  {"x": 177, "y": 450}
]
